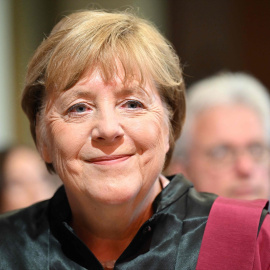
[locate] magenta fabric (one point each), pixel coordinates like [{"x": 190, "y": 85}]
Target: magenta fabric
[
  {"x": 262, "y": 256},
  {"x": 230, "y": 238}
]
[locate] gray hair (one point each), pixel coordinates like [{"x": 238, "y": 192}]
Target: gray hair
[{"x": 223, "y": 89}]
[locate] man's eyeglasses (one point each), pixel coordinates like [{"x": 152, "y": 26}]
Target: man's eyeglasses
[{"x": 227, "y": 155}]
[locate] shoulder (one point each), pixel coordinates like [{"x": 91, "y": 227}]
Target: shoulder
[
  {"x": 27, "y": 222},
  {"x": 24, "y": 238},
  {"x": 200, "y": 202},
  {"x": 234, "y": 223},
  {"x": 263, "y": 244}
]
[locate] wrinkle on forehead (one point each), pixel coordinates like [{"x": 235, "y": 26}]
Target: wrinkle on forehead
[
  {"x": 92, "y": 81},
  {"x": 119, "y": 81}
]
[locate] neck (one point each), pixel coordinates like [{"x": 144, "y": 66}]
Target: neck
[{"x": 108, "y": 230}]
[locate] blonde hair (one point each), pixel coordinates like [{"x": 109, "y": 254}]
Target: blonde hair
[{"x": 101, "y": 40}]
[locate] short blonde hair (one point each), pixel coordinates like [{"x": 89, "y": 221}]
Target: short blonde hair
[{"x": 100, "y": 39}]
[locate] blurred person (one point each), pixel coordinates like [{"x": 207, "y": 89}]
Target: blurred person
[
  {"x": 24, "y": 179},
  {"x": 224, "y": 146},
  {"x": 104, "y": 94}
]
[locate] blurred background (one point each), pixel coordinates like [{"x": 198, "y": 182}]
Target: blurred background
[{"x": 209, "y": 36}]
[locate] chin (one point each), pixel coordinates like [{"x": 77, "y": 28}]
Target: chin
[
  {"x": 245, "y": 196},
  {"x": 115, "y": 201},
  {"x": 117, "y": 196}
]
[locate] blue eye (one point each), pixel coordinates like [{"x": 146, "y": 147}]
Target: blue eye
[
  {"x": 78, "y": 108},
  {"x": 133, "y": 104}
]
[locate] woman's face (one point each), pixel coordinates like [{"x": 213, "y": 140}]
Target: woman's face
[{"x": 107, "y": 141}]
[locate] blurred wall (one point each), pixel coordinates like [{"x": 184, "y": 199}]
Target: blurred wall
[
  {"x": 221, "y": 35},
  {"x": 7, "y": 106}
]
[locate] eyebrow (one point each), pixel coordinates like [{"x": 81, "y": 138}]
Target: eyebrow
[
  {"x": 119, "y": 89},
  {"x": 78, "y": 93},
  {"x": 131, "y": 89}
]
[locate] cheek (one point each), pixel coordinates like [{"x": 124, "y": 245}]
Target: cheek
[
  {"x": 151, "y": 135},
  {"x": 66, "y": 140},
  {"x": 262, "y": 173}
]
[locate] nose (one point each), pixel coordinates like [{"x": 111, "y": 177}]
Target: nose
[
  {"x": 244, "y": 165},
  {"x": 107, "y": 127}
]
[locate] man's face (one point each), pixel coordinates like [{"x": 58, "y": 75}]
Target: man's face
[{"x": 228, "y": 154}]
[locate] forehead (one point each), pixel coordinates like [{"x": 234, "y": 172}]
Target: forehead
[
  {"x": 232, "y": 124},
  {"x": 118, "y": 83}
]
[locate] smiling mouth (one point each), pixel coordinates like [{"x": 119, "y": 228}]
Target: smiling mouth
[{"x": 109, "y": 160}]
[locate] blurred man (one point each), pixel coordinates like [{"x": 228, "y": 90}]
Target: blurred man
[{"x": 224, "y": 147}]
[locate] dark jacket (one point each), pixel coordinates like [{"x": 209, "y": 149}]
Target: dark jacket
[{"x": 39, "y": 237}]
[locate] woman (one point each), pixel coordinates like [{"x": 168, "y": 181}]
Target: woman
[
  {"x": 105, "y": 98},
  {"x": 24, "y": 179}
]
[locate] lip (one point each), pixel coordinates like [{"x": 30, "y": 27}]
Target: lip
[{"x": 109, "y": 160}]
